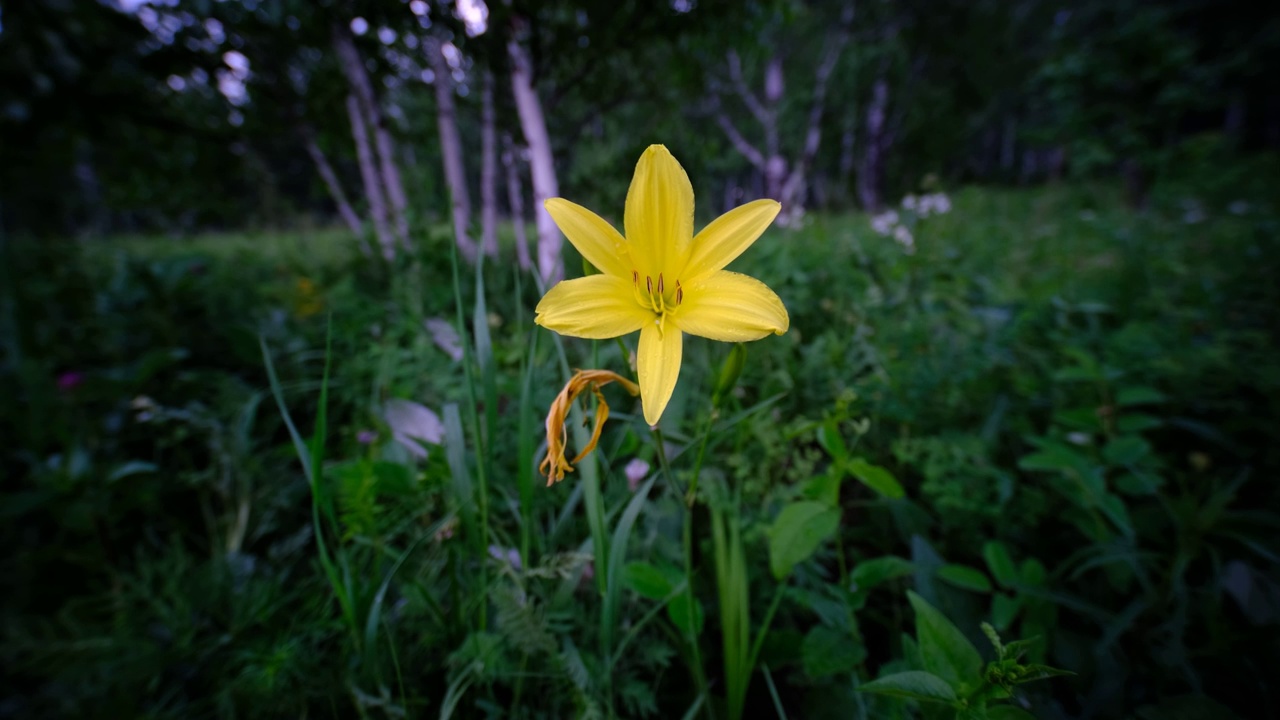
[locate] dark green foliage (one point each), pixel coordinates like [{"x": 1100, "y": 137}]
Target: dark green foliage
[{"x": 1055, "y": 418}]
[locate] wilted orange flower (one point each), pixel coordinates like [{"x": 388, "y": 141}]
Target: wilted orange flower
[{"x": 555, "y": 465}]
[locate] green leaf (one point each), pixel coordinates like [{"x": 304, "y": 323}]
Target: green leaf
[
  {"x": 965, "y": 577},
  {"x": 828, "y": 651},
  {"x": 944, "y": 650},
  {"x": 646, "y": 580},
  {"x": 830, "y": 439},
  {"x": 1126, "y": 450},
  {"x": 875, "y": 477},
  {"x": 1034, "y": 573},
  {"x": 870, "y": 573},
  {"x": 1053, "y": 457},
  {"x": 825, "y": 487},
  {"x": 1004, "y": 610},
  {"x": 913, "y": 684},
  {"x": 999, "y": 563},
  {"x": 686, "y": 614},
  {"x": 1139, "y": 396},
  {"x": 797, "y": 532}
]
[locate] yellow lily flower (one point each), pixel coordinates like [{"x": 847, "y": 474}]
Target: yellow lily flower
[{"x": 662, "y": 279}]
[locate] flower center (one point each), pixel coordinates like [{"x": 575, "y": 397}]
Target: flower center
[{"x": 653, "y": 295}]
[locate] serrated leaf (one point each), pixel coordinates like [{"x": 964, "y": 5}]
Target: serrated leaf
[
  {"x": 646, "y": 580},
  {"x": 1140, "y": 395},
  {"x": 1031, "y": 673},
  {"x": 875, "y": 477},
  {"x": 965, "y": 577},
  {"x": 828, "y": 651},
  {"x": 913, "y": 684},
  {"x": 870, "y": 573},
  {"x": 999, "y": 563},
  {"x": 944, "y": 650},
  {"x": 796, "y": 534}
]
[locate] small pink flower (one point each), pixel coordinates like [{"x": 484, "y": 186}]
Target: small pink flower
[
  {"x": 636, "y": 470},
  {"x": 366, "y": 437},
  {"x": 68, "y": 381}
]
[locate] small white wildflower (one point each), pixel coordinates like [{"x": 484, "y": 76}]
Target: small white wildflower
[
  {"x": 1239, "y": 207},
  {"x": 884, "y": 222},
  {"x": 1079, "y": 438},
  {"x": 911, "y": 202},
  {"x": 904, "y": 237}
]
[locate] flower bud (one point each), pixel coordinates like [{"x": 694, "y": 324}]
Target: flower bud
[{"x": 730, "y": 371}]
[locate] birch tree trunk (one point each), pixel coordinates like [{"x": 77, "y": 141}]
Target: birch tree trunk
[
  {"x": 330, "y": 178},
  {"x": 369, "y": 176},
  {"x": 515, "y": 198},
  {"x": 375, "y": 122},
  {"x": 541, "y": 163},
  {"x": 871, "y": 170},
  {"x": 488, "y": 171},
  {"x": 455, "y": 172}
]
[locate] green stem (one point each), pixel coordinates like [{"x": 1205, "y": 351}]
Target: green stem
[{"x": 687, "y": 540}]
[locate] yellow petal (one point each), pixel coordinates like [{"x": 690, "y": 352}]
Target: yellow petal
[
  {"x": 658, "y": 364},
  {"x": 595, "y": 238},
  {"x": 730, "y": 307},
  {"x": 659, "y": 214},
  {"x": 596, "y": 306},
  {"x": 728, "y": 235}
]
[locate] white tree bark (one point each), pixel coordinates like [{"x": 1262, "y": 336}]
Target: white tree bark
[
  {"x": 541, "y": 163},
  {"x": 375, "y": 122},
  {"x": 330, "y": 178},
  {"x": 871, "y": 169},
  {"x": 783, "y": 181},
  {"x": 515, "y": 198},
  {"x": 455, "y": 172},
  {"x": 488, "y": 171},
  {"x": 372, "y": 181}
]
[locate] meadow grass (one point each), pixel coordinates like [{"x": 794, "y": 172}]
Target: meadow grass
[{"x": 1053, "y": 416}]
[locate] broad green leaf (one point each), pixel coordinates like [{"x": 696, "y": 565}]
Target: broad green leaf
[
  {"x": 944, "y": 650},
  {"x": 1139, "y": 396},
  {"x": 875, "y": 477},
  {"x": 830, "y": 439},
  {"x": 825, "y": 487},
  {"x": 646, "y": 580},
  {"x": 1004, "y": 610},
  {"x": 686, "y": 614},
  {"x": 1034, "y": 573},
  {"x": 999, "y": 563},
  {"x": 913, "y": 684},
  {"x": 1126, "y": 450},
  {"x": 965, "y": 577},
  {"x": 1052, "y": 457},
  {"x": 1116, "y": 511},
  {"x": 870, "y": 573},
  {"x": 797, "y": 532},
  {"x": 829, "y": 651}
]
